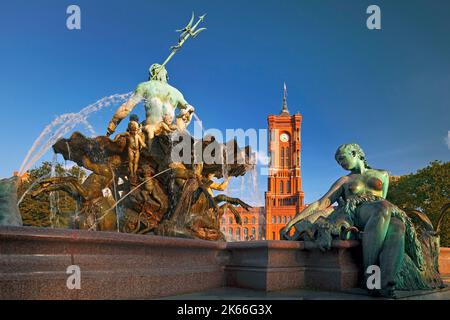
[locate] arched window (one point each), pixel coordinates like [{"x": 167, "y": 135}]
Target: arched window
[
  {"x": 245, "y": 220},
  {"x": 288, "y": 187},
  {"x": 245, "y": 233},
  {"x": 238, "y": 234},
  {"x": 279, "y": 220},
  {"x": 282, "y": 156},
  {"x": 288, "y": 157},
  {"x": 273, "y": 220},
  {"x": 230, "y": 220},
  {"x": 281, "y": 187},
  {"x": 230, "y": 232},
  {"x": 289, "y": 219},
  {"x": 254, "y": 231},
  {"x": 253, "y": 220},
  {"x": 224, "y": 220},
  {"x": 284, "y": 220}
]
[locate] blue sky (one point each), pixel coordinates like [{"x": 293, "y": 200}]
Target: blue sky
[{"x": 388, "y": 90}]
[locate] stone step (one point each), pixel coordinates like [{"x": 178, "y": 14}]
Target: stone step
[{"x": 446, "y": 278}]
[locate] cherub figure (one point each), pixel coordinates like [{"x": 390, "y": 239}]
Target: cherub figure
[
  {"x": 166, "y": 126},
  {"x": 184, "y": 119},
  {"x": 135, "y": 118},
  {"x": 149, "y": 186},
  {"x": 159, "y": 98},
  {"x": 134, "y": 144}
]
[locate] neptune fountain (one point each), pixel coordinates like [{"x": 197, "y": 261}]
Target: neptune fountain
[
  {"x": 150, "y": 180},
  {"x": 154, "y": 190}
]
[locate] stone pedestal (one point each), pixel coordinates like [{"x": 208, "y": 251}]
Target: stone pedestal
[
  {"x": 265, "y": 265},
  {"x": 278, "y": 265},
  {"x": 33, "y": 264}
]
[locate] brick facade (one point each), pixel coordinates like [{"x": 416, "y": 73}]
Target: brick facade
[
  {"x": 284, "y": 196},
  {"x": 252, "y": 227}
]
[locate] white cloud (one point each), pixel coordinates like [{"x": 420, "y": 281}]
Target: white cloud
[{"x": 447, "y": 140}]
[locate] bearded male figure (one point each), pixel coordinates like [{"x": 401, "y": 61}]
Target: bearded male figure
[{"x": 159, "y": 97}]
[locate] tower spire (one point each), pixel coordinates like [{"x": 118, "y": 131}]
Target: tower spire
[{"x": 284, "y": 108}]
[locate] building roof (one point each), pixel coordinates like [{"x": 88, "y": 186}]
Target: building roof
[{"x": 284, "y": 108}]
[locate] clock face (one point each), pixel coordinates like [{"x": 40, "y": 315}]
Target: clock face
[{"x": 284, "y": 137}]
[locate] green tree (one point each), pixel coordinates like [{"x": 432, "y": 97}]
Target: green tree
[
  {"x": 427, "y": 190},
  {"x": 36, "y": 211}
]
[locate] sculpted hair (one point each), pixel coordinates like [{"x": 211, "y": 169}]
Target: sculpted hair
[
  {"x": 158, "y": 70},
  {"x": 355, "y": 150}
]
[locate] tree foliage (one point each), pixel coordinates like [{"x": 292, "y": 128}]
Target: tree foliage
[
  {"x": 36, "y": 211},
  {"x": 427, "y": 190}
]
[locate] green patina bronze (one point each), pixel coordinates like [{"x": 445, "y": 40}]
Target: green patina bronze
[
  {"x": 186, "y": 32},
  {"x": 406, "y": 254},
  {"x": 160, "y": 98},
  {"x": 9, "y": 211}
]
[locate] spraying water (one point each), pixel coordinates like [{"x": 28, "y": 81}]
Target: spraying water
[
  {"x": 224, "y": 165},
  {"x": 53, "y": 196},
  {"x": 262, "y": 223},
  {"x": 64, "y": 124},
  {"x": 125, "y": 196},
  {"x": 199, "y": 122},
  {"x": 254, "y": 182},
  {"x": 68, "y": 150},
  {"x": 31, "y": 188},
  {"x": 116, "y": 196}
]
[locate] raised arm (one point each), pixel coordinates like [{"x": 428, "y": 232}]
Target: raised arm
[
  {"x": 183, "y": 104},
  {"x": 141, "y": 142},
  {"x": 329, "y": 198},
  {"x": 123, "y": 111}
]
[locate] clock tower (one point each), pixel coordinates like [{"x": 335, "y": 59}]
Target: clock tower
[{"x": 284, "y": 196}]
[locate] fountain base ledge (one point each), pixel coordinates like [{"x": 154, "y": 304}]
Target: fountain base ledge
[{"x": 33, "y": 264}]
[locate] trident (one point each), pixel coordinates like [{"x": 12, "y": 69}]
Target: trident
[{"x": 186, "y": 32}]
